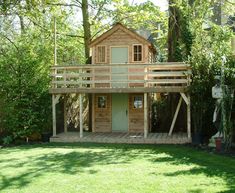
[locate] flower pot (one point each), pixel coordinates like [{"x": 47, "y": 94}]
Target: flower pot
[
  {"x": 46, "y": 137},
  {"x": 196, "y": 138},
  {"x": 218, "y": 144}
]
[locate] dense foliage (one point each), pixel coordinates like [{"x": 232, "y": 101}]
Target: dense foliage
[
  {"x": 24, "y": 81},
  {"x": 210, "y": 55}
]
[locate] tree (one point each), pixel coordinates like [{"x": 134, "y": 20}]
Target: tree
[
  {"x": 25, "y": 39},
  {"x": 24, "y": 87},
  {"x": 209, "y": 47}
]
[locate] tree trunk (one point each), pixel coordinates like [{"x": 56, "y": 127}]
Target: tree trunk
[
  {"x": 22, "y": 27},
  {"x": 87, "y": 39},
  {"x": 173, "y": 31},
  {"x": 87, "y": 30},
  {"x": 173, "y": 54}
]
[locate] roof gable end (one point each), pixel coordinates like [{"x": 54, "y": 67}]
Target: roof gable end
[{"x": 114, "y": 29}]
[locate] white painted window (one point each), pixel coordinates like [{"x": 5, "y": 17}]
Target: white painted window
[
  {"x": 137, "y": 53},
  {"x": 101, "y": 54},
  {"x": 102, "y": 102},
  {"x": 138, "y": 102}
]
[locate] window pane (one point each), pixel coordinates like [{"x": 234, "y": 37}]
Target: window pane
[
  {"x": 137, "y": 53},
  {"x": 102, "y": 102},
  {"x": 135, "y": 57},
  {"x": 101, "y": 54},
  {"x": 138, "y": 102},
  {"x": 135, "y": 49}
]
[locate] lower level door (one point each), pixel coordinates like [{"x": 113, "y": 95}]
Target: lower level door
[{"x": 120, "y": 112}]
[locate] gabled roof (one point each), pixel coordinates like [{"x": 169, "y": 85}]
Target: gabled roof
[{"x": 116, "y": 27}]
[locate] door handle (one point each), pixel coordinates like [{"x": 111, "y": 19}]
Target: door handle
[{"x": 126, "y": 112}]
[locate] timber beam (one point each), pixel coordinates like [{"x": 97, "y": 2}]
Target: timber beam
[
  {"x": 160, "y": 89},
  {"x": 186, "y": 99},
  {"x": 145, "y": 115},
  {"x": 55, "y": 100}
]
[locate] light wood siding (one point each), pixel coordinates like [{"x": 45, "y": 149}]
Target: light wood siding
[
  {"x": 120, "y": 38},
  {"x": 136, "y": 116},
  {"x": 136, "y": 77},
  {"x": 105, "y": 77},
  {"x": 102, "y": 116}
]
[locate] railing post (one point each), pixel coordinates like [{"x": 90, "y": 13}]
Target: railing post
[
  {"x": 80, "y": 77},
  {"x": 145, "y": 76},
  {"x": 188, "y": 76},
  {"x": 64, "y": 77},
  {"x": 53, "y": 73},
  {"x": 93, "y": 77}
]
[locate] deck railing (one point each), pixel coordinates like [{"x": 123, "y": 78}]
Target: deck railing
[{"x": 120, "y": 76}]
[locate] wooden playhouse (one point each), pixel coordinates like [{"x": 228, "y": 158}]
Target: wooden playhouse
[{"x": 122, "y": 78}]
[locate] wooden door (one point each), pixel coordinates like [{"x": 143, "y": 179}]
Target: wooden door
[
  {"x": 120, "y": 112},
  {"x": 119, "y": 55}
]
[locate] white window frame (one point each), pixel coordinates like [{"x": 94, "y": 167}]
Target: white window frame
[
  {"x": 133, "y": 52},
  {"x": 133, "y": 102},
  {"x": 105, "y": 101},
  {"x": 98, "y": 56}
]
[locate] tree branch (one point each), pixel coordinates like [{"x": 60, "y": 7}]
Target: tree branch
[
  {"x": 58, "y": 33},
  {"x": 70, "y": 35},
  {"x": 99, "y": 10},
  {"x": 65, "y": 5},
  {"x": 99, "y": 31},
  {"x": 79, "y": 2},
  {"x": 11, "y": 42},
  {"x": 230, "y": 2}
]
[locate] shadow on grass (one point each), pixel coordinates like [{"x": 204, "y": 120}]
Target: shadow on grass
[
  {"x": 208, "y": 164},
  {"x": 81, "y": 157},
  {"x": 71, "y": 163}
]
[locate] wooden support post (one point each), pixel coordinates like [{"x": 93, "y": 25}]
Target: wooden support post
[
  {"x": 185, "y": 98},
  {"x": 175, "y": 116},
  {"x": 55, "y": 100},
  {"x": 80, "y": 115},
  {"x": 189, "y": 118},
  {"x": 93, "y": 113},
  {"x": 150, "y": 111},
  {"x": 65, "y": 115},
  {"x": 145, "y": 115},
  {"x": 54, "y": 115}
]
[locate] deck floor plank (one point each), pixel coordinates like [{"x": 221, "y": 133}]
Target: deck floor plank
[{"x": 120, "y": 137}]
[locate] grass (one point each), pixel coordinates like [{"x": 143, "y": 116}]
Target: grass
[{"x": 112, "y": 168}]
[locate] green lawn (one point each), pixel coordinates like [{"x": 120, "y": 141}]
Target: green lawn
[{"x": 101, "y": 168}]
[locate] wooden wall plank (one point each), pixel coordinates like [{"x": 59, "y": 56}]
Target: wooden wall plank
[
  {"x": 102, "y": 116},
  {"x": 136, "y": 116}
]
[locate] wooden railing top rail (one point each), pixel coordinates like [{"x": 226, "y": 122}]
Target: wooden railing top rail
[{"x": 170, "y": 65}]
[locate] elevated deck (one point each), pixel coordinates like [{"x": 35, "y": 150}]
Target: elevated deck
[
  {"x": 129, "y": 138},
  {"x": 120, "y": 78}
]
